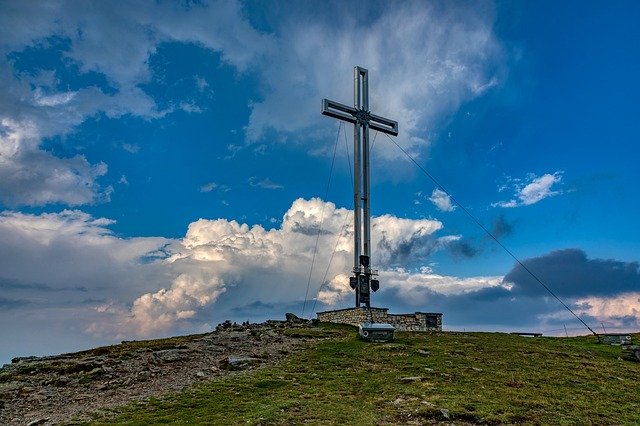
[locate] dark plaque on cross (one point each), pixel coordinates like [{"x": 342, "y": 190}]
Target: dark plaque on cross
[{"x": 362, "y": 120}]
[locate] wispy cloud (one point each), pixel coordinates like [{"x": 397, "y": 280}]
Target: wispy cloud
[
  {"x": 131, "y": 148},
  {"x": 530, "y": 190},
  {"x": 212, "y": 186},
  {"x": 265, "y": 183},
  {"x": 442, "y": 200}
]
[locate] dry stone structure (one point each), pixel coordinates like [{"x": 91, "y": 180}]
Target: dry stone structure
[{"x": 418, "y": 321}]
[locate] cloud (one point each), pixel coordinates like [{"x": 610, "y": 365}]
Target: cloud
[
  {"x": 336, "y": 290},
  {"x": 30, "y": 176},
  {"x": 424, "y": 61},
  {"x": 620, "y": 311},
  {"x": 533, "y": 189},
  {"x": 264, "y": 183},
  {"x": 224, "y": 264},
  {"x": 93, "y": 283},
  {"x": 401, "y": 241},
  {"x": 570, "y": 273},
  {"x": 131, "y": 148},
  {"x": 111, "y": 48},
  {"x": 208, "y": 187},
  {"x": 212, "y": 186},
  {"x": 501, "y": 228},
  {"x": 462, "y": 249},
  {"x": 440, "y": 49},
  {"x": 442, "y": 200},
  {"x": 74, "y": 251},
  {"x": 159, "y": 311}
]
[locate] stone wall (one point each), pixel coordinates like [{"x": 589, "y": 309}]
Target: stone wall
[
  {"x": 354, "y": 316},
  {"x": 419, "y": 321}
]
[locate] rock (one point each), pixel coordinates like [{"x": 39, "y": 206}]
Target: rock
[
  {"x": 38, "y": 422},
  {"x": 445, "y": 413},
  {"x": 424, "y": 352},
  {"x": 398, "y": 401},
  {"x": 241, "y": 360},
  {"x": 293, "y": 318},
  {"x": 19, "y": 359},
  {"x": 476, "y": 369},
  {"x": 411, "y": 379},
  {"x": 98, "y": 371},
  {"x": 170, "y": 355},
  {"x": 269, "y": 334},
  {"x": 201, "y": 374}
]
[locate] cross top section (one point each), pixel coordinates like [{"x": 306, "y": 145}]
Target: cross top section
[{"x": 362, "y": 119}]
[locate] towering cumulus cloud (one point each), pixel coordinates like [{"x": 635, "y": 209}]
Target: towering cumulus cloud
[{"x": 223, "y": 263}]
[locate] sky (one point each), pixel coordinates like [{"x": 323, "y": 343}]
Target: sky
[{"x": 164, "y": 165}]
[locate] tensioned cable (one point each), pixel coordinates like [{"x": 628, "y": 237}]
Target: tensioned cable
[
  {"x": 344, "y": 224},
  {"x": 373, "y": 143},
  {"x": 534, "y": 276},
  {"x": 326, "y": 194},
  {"x": 326, "y": 272},
  {"x": 346, "y": 147}
]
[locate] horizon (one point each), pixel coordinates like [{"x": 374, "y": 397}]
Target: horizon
[{"x": 165, "y": 166}]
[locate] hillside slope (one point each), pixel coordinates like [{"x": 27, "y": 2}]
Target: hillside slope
[{"x": 326, "y": 375}]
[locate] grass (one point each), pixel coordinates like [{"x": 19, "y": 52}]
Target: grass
[{"x": 487, "y": 378}]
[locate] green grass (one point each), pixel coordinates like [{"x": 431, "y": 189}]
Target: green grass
[{"x": 488, "y": 378}]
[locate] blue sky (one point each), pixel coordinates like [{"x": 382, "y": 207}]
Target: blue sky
[{"x": 164, "y": 165}]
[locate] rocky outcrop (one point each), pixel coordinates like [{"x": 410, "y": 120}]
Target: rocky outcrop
[{"x": 49, "y": 390}]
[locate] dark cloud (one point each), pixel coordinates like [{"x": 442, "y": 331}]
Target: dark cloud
[
  {"x": 570, "y": 273},
  {"x": 501, "y": 228},
  {"x": 408, "y": 252},
  {"x": 254, "y": 307},
  {"x": 308, "y": 229},
  {"x": 11, "y": 284},
  {"x": 12, "y": 303},
  {"x": 418, "y": 248},
  {"x": 495, "y": 308},
  {"x": 462, "y": 249}
]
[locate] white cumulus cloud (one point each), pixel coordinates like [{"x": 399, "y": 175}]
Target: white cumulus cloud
[
  {"x": 442, "y": 200},
  {"x": 531, "y": 190}
]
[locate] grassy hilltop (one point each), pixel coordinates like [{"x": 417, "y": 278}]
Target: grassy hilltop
[{"x": 420, "y": 378}]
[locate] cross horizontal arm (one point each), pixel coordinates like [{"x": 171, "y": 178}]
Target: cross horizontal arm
[
  {"x": 383, "y": 125},
  {"x": 339, "y": 111},
  {"x": 350, "y": 114}
]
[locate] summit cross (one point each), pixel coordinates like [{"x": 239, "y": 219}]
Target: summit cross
[{"x": 362, "y": 120}]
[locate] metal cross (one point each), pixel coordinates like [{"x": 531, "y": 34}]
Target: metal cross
[{"x": 361, "y": 117}]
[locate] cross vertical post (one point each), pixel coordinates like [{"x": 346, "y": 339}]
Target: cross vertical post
[{"x": 362, "y": 121}]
